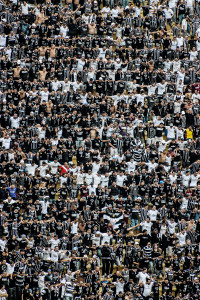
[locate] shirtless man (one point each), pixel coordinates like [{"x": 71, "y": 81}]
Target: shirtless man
[
  {"x": 40, "y": 18},
  {"x": 17, "y": 71},
  {"x": 92, "y": 28},
  {"x": 43, "y": 74},
  {"x": 52, "y": 51},
  {"x": 42, "y": 51}
]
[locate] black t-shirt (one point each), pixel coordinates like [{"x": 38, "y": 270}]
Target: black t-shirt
[{"x": 181, "y": 9}]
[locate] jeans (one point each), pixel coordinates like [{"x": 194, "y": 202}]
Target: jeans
[
  {"x": 106, "y": 266},
  {"x": 112, "y": 262},
  {"x": 134, "y": 222},
  {"x": 79, "y": 143},
  {"x": 124, "y": 3},
  {"x": 119, "y": 260},
  {"x": 19, "y": 291},
  {"x": 151, "y": 266},
  {"x": 112, "y": 3},
  {"x": 113, "y": 151},
  {"x": 12, "y": 293},
  {"x": 181, "y": 18},
  {"x": 128, "y": 261}
]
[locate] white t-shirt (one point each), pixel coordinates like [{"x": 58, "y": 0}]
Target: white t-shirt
[
  {"x": 80, "y": 178},
  {"x": 137, "y": 11},
  {"x": 41, "y": 280},
  {"x": 74, "y": 228},
  {"x": 142, "y": 277},
  {"x": 167, "y": 65},
  {"x": 3, "y": 41},
  {"x": 43, "y": 170},
  {"x": 25, "y": 9},
  {"x": 184, "y": 203},
  {"x": 170, "y": 132},
  {"x": 55, "y": 85},
  {"x": 151, "y": 90},
  {"x": 161, "y": 88},
  {"x": 151, "y": 166},
  {"x": 5, "y": 142},
  {"x": 153, "y": 214},
  {"x": 44, "y": 96},
  {"x": 54, "y": 167},
  {"x": 131, "y": 166},
  {"x": 193, "y": 55},
  {"x": 106, "y": 238},
  {"x": 54, "y": 243},
  {"x": 2, "y": 244},
  {"x": 147, "y": 289},
  {"x": 97, "y": 180},
  {"x": 3, "y": 292},
  {"x": 172, "y": 178},
  {"x": 44, "y": 205},
  {"x": 95, "y": 168},
  {"x": 195, "y": 97},
  {"x": 96, "y": 240},
  {"x": 198, "y": 45},
  {"x": 119, "y": 287},
  {"x": 180, "y": 41},
  {"x": 105, "y": 11},
  {"x": 92, "y": 188},
  {"x": 114, "y": 12},
  {"x": 186, "y": 179},
  {"x": 41, "y": 132},
  {"x": 177, "y": 107},
  {"x": 104, "y": 181},
  {"x": 120, "y": 180},
  {"x": 176, "y": 65},
  {"x": 182, "y": 238},
  {"x": 174, "y": 44},
  {"x": 147, "y": 226},
  {"x": 14, "y": 122},
  {"x": 46, "y": 254},
  {"x": 10, "y": 269},
  {"x": 194, "y": 180},
  {"x": 168, "y": 13},
  {"x": 181, "y": 76},
  {"x": 140, "y": 98},
  {"x": 171, "y": 227},
  {"x": 172, "y": 3},
  {"x": 81, "y": 64},
  {"x": 31, "y": 168},
  {"x": 189, "y": 3},
  {"x": 64, "y": 30},
  {"x": 89, "y": 179},
  {"x": 66, "y": 86},
  {"x": 184, "y": 25}
]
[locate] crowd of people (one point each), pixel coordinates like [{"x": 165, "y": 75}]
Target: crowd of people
[{"x": 99, "y": 150}]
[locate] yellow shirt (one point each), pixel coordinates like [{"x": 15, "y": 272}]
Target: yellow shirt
[{"x": 189, "y": 134}]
